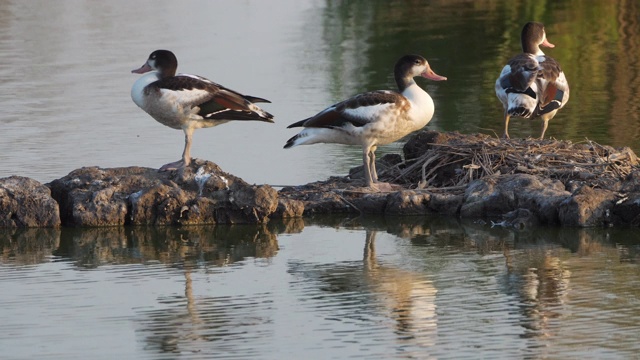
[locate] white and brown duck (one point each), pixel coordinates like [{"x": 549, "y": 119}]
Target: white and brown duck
[
  {"x": 532, "y": 84},
  {"x": 374, "y": 118},
  {"x": 189, "y": 102}
]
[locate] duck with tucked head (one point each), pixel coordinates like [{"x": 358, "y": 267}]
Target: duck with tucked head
[
  {"x": 532, "y": 84},
  {"x": 374, "y": 118},
  {"x": 189, "y": 102}
]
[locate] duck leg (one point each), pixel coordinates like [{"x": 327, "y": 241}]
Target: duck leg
[
  {"x": 186, "y": 154},
  {"x": 545, "y": 121},
  {"x": 370, "y": 172},
  {"x": 366, "y": 162},
  {"x": 372, "y": 164},
  {"x": 506, "y": 124}
]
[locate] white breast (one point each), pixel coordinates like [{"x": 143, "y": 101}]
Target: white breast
[
  {"x": 137, "y": 90},
  {"x": 422, "y": 107}
]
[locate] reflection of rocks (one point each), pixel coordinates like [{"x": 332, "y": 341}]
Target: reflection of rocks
[
  {"x": 26, "y": 203},
  {"x": 287, "y": 225},
  {"x": 199, "y": 194},
  {"x": 28, "y": 246},
  {"x": 215, "y": 245}
]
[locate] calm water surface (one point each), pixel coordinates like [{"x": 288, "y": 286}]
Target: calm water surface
[
  {"x": 374, "y": 288},
  {"x": 333, "y": 288}
]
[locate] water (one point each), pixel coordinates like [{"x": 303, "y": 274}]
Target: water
[
  {"x": 331, "y": 288},
  {"x": 66, "y": 75},
  {"x": 321, "y": 288}
]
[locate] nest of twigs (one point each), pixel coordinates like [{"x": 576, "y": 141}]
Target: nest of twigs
[{"x": 450, "y": 161}]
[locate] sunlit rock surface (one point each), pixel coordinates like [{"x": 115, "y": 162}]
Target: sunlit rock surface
[
  {"x": 199, "y": 194},
  {"x": 512, "y": 183},
  {"x": 25, "y": 202},
  {"x": 494, "y": 197},
  {"x": 515, "y": 183}
]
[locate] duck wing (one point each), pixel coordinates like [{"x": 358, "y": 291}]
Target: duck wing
[
  {"x": 358, "y": 111},
  {"x": 553, "y": 85},
  {"x": 520, "y": 72},
  {"x": 214, "y": 101}
]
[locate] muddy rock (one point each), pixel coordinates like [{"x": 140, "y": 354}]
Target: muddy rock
[
  {"x": 627, "y": 210},
  {"x": 321, "y": 197},
  {"x": 516, "y": 183},
  {"x": 446, "y": 204},
  {"x": 289, "y": 208},
  {"x": 520, "y": 219},
  {"x": 493, "y": 197},
  {"x": 199, "y": 194},
  {"x": 408, "y": 202},
  {"x": 587, "y": 207},
  {"x": 26, "y": 203}
]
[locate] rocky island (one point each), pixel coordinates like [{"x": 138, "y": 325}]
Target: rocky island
[{"x": 517, "y": 182}]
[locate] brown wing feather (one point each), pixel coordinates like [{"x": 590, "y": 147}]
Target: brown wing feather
[
  {"x": 338, "y": 114},
  {"x": 523, "y": 71},
  {"x": 327, "y": 118},
  {"x": 215, "y": 92},
  {"x": 550, "y": 69},
  {"x": 231, "y": 100},
  {"x": 550, "y": 72},
  {"x": 549, "y": 93}
]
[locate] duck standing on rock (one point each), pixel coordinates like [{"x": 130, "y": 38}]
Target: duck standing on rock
[
  {"x": 189, "y": 102},
  {"x": 532, "y": 84},
  {"x": 374, "y": 118}
]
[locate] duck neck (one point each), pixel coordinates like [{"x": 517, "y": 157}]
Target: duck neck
[
  {"x": 530, "y": 47},
  {"x": 166, "y": 73},
  {"x": 403, "y": 81}
]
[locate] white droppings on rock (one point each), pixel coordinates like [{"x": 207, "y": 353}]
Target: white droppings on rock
[{"x": 201, "y": 178}]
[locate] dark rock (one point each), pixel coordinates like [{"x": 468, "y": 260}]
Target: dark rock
[
  {"x": 632, "y": 182},
  {"x": 322, "y": 197},
  {"x": 627, "y": 210},
  {"x": 446, "y": 204},
  {"x": 248, "y": 204},
  {"x": 520, "y": 219},
  {"x": 26, "y": 203},
  {"x": 587, "y": 207},
  {"x": 495, "y": 196},
  {"x": 199, "y": 194},
  {"x": 367, "y": 203}
]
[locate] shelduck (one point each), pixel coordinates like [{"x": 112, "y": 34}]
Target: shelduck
[
  {"x": 532, "y": 84},
  {"x": 374, "y": 118},
  {"x": 189, "y": 102}
]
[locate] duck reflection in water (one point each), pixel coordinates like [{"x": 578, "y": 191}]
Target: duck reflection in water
[
  {"x": 374, "y": 297},
  {"x": 540, "y": 279},
  {"x": 406, "y": 296}
]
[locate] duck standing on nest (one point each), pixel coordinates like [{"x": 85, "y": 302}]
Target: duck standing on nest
[
  {"x": 189, "y": 102},
  {"x": 374, "y": 118},
  {"x": 532, "y": 84}
]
